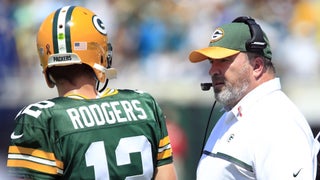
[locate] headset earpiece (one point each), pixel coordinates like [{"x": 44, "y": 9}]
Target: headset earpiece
[{"x": 257, "y": 42}]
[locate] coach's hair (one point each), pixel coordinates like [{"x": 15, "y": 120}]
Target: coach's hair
[
  {"x": 70, "y": 72},
  {"x": 267, "y": 62}
]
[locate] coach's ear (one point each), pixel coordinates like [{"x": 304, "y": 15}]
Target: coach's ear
[{"x": 258, "y": 67}]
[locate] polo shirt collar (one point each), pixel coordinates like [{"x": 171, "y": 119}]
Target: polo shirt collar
[{"x": 253, "y": 96}]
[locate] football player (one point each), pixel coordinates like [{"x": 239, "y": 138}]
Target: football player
[{"x": 87, "y": 132}]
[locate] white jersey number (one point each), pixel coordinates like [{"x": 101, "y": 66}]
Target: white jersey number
[
  {"x": 96, "y": 157},
  {"x": 33, "y": 109}
]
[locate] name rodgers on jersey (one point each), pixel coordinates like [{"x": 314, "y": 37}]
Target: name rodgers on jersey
[
  {"x": 95, "y": 114},
  {"x": 106, "y": 112}
]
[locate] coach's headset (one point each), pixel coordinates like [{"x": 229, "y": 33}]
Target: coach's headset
[
  {"x": 256, "y": 45},
  {"x": 257, "y": 42}
]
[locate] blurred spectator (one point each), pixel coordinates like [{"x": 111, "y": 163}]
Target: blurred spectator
[{"x": 9, "y": 59}]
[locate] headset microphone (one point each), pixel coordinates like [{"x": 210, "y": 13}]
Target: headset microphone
[{"x": 205, "y": 86}]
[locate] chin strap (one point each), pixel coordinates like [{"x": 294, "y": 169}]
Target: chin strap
[
  {"x": 100, "y": 90},
  {"x": 111, "y": 73}
]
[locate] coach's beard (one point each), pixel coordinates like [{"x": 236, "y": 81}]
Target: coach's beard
[{"x": 229, "y": 95}]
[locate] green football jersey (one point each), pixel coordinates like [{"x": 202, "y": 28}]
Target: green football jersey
[{"x": 120, "y": 135}]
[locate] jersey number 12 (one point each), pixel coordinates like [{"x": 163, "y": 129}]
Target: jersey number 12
[{"x": 96, "y": 157}]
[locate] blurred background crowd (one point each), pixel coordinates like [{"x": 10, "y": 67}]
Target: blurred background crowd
[{"x": 151, "y": 42}]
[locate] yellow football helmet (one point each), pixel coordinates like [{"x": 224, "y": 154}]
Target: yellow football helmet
[{"x": 75, "y": 35}]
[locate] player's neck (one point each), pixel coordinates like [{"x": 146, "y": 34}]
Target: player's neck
[
  {"x": 81, "y": 94},
  {"x": 82, "y": 86},
  {"x": 86, "y": 91}
]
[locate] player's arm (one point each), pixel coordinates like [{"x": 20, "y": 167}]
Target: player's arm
[
  {"x": 165, "y": 168},
  {"x": 166, "y": 172},
  {"x": 31, "y": 153}
]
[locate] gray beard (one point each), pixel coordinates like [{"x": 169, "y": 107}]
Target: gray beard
[
  {"x": 233, "y": 92},
  {"x": 231, "y": 95}
]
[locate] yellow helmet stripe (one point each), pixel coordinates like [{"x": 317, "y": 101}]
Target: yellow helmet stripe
[{"x": 61, "y": 30}]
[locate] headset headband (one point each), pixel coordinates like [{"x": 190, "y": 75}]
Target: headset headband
[{"x": 257, "y": 42}]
